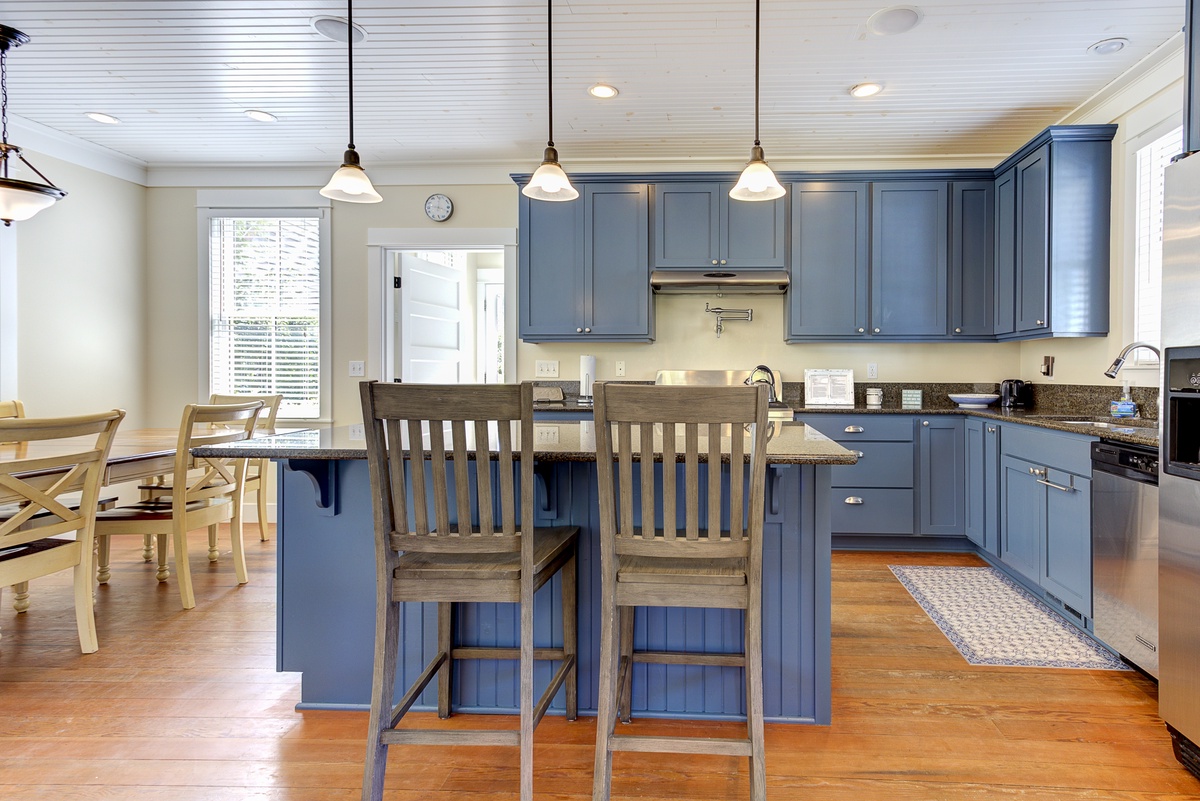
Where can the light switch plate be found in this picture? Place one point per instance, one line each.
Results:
(545, 435)
(358, 369)
(357, 431)
(545, 368)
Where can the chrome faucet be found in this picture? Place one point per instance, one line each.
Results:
(763, 375)
(1119, 362)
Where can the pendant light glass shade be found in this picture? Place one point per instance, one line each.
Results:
(757, 181)
(350, 183)
(19, 200)
(550, 181)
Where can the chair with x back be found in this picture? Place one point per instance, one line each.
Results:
(707, 552)
(454, 522)
(51, 490)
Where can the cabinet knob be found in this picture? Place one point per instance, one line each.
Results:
(925, 423)
(862, 330)
(722, 261)
(859, 454)
(714, 261)
(876, 330)
(578, 330)
(991, 429)
(853, 429)
(1041, 322)
(854, 500)
(587, 330)
(958, 330)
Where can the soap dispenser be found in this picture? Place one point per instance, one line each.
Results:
(1124, 407)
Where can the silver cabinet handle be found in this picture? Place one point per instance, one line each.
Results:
(925, 423)
(722, 261)
(587, 330)
(991, 429)
(958, 330)
(578, 330)
(853, 429)
(862, 330)
(714, 261)
(854, 500)
(1041, 322)
(1052, 485)
(876, 330)
(1037, 471)
(859, 454)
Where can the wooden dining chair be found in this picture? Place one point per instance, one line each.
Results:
(202, 492)
(255, 479)
(442, 536)
(54, 496)
(708, 552)
(11, 409)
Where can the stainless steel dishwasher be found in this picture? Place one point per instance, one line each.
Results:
(1125, 550)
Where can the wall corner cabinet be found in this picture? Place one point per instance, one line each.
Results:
(1019, 252)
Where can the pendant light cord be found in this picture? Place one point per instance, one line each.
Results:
(4, 95)
(757, 27)
(350, 64)
(550, 71)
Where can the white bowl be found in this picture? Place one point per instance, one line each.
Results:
(973, 400)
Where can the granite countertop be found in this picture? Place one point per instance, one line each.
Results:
(790, 443)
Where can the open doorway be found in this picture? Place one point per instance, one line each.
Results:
(448, 315)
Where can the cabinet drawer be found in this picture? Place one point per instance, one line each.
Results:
(1048, 448)
(880, 464)
(847, 428)
(857, 510)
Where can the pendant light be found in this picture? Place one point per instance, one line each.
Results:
(549, 181)
(350, 183)
(19, 200)
(757, 181)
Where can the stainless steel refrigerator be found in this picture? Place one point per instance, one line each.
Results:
(1179, 487)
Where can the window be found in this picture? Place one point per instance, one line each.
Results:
(267, 291)
(1152, 160)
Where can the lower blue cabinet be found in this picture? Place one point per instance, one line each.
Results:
(942, 481)
(982, 474)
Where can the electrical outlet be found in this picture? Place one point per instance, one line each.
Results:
(872, 370)
(620, 369)
(358, 369)
(545, 435)
(357, 431)
(545, 368)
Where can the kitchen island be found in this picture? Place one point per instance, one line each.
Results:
(326, 588)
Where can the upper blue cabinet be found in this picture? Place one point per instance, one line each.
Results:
(829, 296)
(1052, 235)
(909, 278)
(697, 226)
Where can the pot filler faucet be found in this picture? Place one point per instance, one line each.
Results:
(763, 375)
(1119, 362)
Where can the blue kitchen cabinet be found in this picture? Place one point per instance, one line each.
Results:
(697, 226)
(584, 269)
(1052, 235)
(1023, 510)
(909, 267)
(982, 477)
(942, 486)
(972, 279)
(830, 265)
(1067, 558)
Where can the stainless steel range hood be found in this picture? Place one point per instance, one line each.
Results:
(724, 282)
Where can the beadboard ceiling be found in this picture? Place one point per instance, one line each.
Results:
(465, 80)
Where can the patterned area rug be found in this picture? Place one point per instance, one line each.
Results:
(993, 621)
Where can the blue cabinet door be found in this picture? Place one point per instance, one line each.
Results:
(976, 482)
(551, 292)
(830, 261)
(942, 489)
(753, 234)
(971, 257)
(1033, 243)
(1067, 558)
(992, 433)
(1006, 252)
(616, 261)
(687, 222)
(1023, 517)
(908, 259)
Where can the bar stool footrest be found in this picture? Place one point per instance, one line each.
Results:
(458, 737)
(719, 746)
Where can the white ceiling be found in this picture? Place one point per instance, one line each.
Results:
(466, 79)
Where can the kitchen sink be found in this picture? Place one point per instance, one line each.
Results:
(1097, 422)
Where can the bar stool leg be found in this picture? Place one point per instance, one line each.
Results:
(626, 689)
(445, 613)
(570, 634)
(754, 698)
(606, 713)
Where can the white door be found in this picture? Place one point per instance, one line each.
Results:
(435, 345)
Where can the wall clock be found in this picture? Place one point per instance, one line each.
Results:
(439, 207)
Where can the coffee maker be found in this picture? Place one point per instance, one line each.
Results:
(1015, 394)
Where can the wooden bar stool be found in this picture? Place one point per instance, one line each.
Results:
(714, 560)
(442, 537)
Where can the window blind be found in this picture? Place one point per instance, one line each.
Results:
(264, 308)
(1152, 161)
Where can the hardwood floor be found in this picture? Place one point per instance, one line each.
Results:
(187, 706)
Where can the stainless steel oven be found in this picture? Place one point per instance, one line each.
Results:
(1125, 550)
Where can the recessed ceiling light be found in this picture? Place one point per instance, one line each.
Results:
(865, 89)
(335, 28)
(1106, 47)
(897, 19)
(603, 91)
(260, 116)
(97, 116)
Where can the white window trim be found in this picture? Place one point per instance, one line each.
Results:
(1142, 372)
(380, 300)
(321, 211)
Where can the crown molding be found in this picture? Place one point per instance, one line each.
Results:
(38, 138)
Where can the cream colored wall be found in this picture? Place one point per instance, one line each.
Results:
(1146, 103)
(81, 296)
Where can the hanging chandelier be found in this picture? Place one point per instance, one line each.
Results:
(19, 200)
(757, 181)
(550, 181)
(350, 183)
